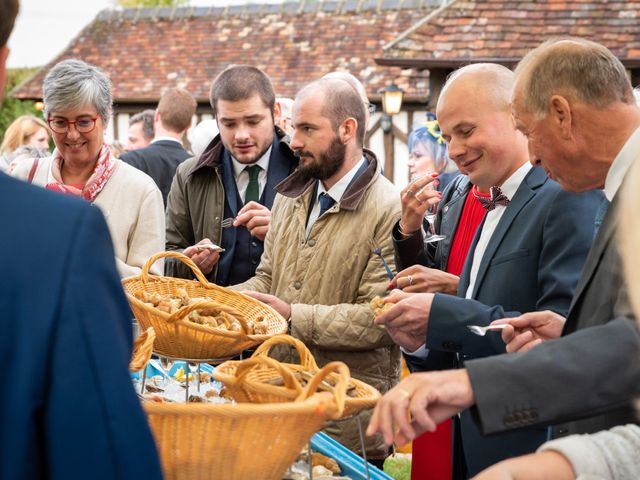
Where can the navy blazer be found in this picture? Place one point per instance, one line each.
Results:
(67, 405)
(532, 262)
(159, 160)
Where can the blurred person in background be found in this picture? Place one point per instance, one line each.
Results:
(201, 136)
(78, 103)
(141, 130)
(428, 153)
(25, 152)
(70, 410)
(160, 159)
(24, 130)
(284, 122)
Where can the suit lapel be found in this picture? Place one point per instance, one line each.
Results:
(604, 236)
(229, 183)
(526, 191)
(278, 170)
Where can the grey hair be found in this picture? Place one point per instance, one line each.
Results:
(73, 84)
(573, 67)
(147, 119)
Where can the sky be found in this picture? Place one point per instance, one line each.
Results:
(45, 27)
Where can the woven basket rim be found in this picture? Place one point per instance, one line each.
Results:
(308, 405)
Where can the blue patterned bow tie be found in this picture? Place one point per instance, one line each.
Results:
(497, 198)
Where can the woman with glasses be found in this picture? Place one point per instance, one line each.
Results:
(77, 99)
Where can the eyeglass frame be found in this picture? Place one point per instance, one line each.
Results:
(74, 122)
(371, 108)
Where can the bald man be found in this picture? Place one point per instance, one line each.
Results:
(362, 92)
(526, 255)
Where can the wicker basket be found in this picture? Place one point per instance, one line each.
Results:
(241, 441)
(180, 338)
(247, 380)
(142, 350)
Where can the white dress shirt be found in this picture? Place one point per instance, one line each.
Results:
(166, 137)
(621, 165)
(491, 220)
(336, 192)
(242, 176)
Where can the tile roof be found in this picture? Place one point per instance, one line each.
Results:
(464, 31)
(146, 50)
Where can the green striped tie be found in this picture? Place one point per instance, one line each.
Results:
(253, 189)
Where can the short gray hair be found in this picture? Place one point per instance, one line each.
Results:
(576, 68)
(72, 84)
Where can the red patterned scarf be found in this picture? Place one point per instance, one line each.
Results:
(98, 179)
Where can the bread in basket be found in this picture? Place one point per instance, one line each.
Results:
(178, 337)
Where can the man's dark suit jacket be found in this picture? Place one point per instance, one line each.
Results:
(596, 368)
(67, 405)
(159, 160)
(532, 262)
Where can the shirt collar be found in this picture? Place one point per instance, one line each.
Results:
(263, 162)
(337, 191)
(511, 185)
(621, 164)
(159, 139)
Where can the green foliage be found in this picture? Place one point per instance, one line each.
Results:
(151, 3)
(12, 108)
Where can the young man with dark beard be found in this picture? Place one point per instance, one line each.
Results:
(317, 269)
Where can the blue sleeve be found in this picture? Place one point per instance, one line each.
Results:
(566, 237)
(94, 424)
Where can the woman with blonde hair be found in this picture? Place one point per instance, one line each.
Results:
(24, 130)
(78, 106)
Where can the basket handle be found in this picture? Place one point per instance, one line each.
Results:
(245, 366)
(177, 255)
(339, 391)
(142, 349)
(306, 358)
(184, 311)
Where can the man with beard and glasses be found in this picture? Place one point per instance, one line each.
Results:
(233, 178)
(318, 269)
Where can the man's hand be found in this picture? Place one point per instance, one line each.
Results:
(530, 329)
(204, 258)
(415, 202)
(419, 403)
(406, 322)
(280, 306)
(420, 279)
(255, 218)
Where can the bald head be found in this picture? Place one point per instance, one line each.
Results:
(490, 81)
(339, 102)
(351, 80)
(574, 68)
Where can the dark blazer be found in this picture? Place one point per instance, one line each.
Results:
(67, 405)
(532, 262)
(600, 338)
(159, 160)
